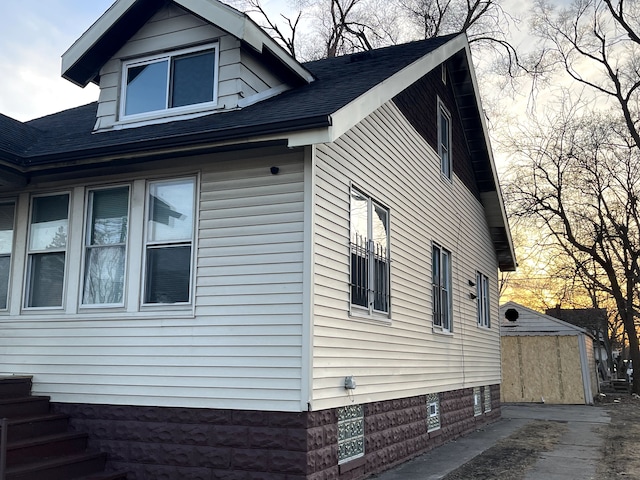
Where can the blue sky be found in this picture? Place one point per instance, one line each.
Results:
(34, 35)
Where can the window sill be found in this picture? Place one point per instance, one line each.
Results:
(440, 331)
(351, 464)
(164, 116)
(362, 314)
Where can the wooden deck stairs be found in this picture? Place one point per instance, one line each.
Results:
(39, 444)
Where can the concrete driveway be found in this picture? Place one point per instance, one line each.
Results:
(574, 457)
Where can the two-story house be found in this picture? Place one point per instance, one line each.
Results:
(234, 265)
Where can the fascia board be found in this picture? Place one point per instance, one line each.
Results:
(89, 38)
(215, 12)
(355, 111)
(243, 28)
(499, 200)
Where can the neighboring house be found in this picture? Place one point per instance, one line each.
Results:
(595, 321)
(234, 264)
(545, 359)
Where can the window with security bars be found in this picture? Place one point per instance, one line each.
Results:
(350, 433)
(482, 299)
(441, 278)
(477, 401)
(433, 412)
(370, 258)
(487, 399)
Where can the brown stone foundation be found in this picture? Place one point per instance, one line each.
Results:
(158, 443)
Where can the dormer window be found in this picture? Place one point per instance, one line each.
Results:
(183, 81)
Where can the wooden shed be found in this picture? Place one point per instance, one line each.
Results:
(545, 359)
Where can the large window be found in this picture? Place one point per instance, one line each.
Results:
(444, 140)
(47, 249)
(482, 297)
(182, 79)
(105, 246)
(170, 222)
(441, 274)
(6, 245)
(369, 253)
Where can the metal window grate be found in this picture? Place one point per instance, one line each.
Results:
(369, 274)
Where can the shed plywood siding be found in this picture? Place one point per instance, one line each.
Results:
(387, 159)
(544, 368)
(241, 349)
(173, 28)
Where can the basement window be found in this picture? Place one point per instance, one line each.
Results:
(477, 401)
(183, 81)
(350, 433)
(433, 412)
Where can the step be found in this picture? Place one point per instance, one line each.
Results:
(67, 467)
(37, 426)
(17, 407)
(15, 386)
(48, 446)
(104, 476)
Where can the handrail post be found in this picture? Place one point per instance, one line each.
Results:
(4, 423)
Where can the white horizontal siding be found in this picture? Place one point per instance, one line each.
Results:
(241, 344)
(388, 160)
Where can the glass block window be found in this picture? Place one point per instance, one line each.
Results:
(487, 399)
(350, 433)
(477, 401)
(433, 412)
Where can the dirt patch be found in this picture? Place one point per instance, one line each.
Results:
(621, 438)
(510, 458)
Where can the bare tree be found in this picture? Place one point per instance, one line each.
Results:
(579, 177)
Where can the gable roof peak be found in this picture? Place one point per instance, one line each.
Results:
(82, 62)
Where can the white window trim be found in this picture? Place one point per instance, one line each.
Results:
(444, 111)
(132, 306)
(167, 111)
(14, 203)
(87, 226)
(370, 312)
(442, 252)
(28, 253)
(143, 273)
(483, 300)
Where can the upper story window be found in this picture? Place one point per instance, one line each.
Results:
(444, 140)
(441, 274)
(7, 213)
(482, 297)
(47, 250)
(180, 81)
(369, 253)
(105, 246)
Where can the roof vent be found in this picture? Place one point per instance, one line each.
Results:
(511, 314)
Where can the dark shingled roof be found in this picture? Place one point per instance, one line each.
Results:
(67, 135)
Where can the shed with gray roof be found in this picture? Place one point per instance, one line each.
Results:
(545, 359)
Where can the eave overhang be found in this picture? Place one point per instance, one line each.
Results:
(82, 62)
